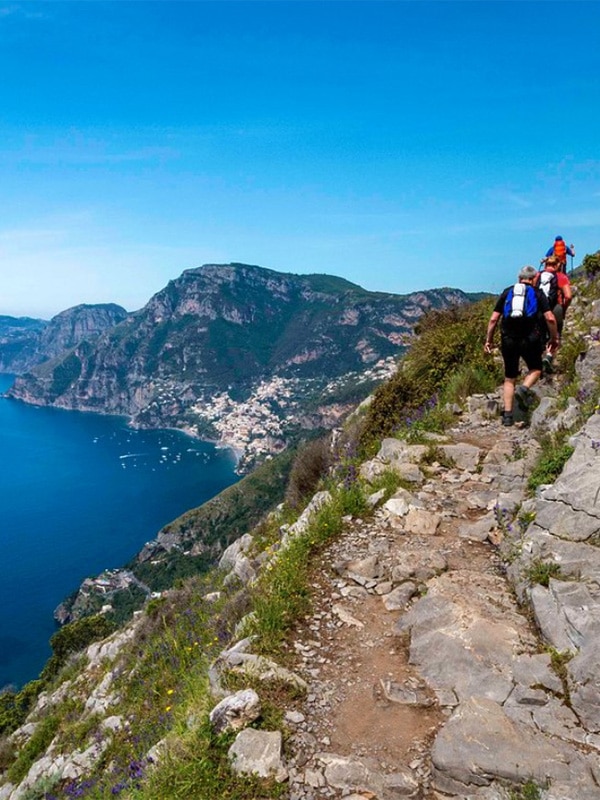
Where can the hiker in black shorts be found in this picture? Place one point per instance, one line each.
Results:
(526, 322)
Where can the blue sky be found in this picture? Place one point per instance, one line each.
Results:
(400, 145)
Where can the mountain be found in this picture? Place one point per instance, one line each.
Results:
(25, 342)
(240, 343)
(18, 339)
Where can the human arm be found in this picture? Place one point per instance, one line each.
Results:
(489, 336)
(564, 284)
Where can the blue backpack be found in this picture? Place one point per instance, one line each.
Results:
(521, 302)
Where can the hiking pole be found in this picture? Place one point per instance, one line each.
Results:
(572, 257)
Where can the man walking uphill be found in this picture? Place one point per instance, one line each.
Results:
(526, 322)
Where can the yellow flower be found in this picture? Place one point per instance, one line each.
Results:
(168, 708)
(170, 691)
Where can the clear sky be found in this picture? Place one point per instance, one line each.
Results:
(400, 145)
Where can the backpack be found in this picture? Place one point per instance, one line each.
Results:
(560, 250)
(521, 302)
(548, 283)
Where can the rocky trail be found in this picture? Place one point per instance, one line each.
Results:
(434, 668)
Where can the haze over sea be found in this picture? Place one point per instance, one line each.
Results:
(80, 493)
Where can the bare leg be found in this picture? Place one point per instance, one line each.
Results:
(532, 378)
(509, 394)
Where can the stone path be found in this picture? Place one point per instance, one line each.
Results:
(426, 677)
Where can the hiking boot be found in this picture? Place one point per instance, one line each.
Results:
(507, 419)
(547, 367)
(524, 398)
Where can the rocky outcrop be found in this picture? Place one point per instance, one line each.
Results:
(28, 343)
(18, 340)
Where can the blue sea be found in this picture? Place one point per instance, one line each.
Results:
(80, 493)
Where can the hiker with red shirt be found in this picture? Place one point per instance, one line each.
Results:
(561, 250)
(557, 287)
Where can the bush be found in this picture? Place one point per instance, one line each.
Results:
(14, 706)
(467, 380)
(591, 264)
(73, 638)
(309, 467)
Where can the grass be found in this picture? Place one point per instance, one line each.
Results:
(554, 454)
(198, 767)
(282, 593)
(530, 790)
(35, 746)
(540, 571)
(558, 661)
(390, 482)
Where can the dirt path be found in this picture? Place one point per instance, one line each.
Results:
(367, 703)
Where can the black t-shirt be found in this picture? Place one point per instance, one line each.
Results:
(524, 327)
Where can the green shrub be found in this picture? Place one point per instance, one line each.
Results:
(309, 467)
(469, 379)
(554, 455)
(591, 264)
(391, 404)
(73, 638)
(540, 571)
(14, 706)
(530, 790)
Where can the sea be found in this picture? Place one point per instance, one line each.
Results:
(80, 493)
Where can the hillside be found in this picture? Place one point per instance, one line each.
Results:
(25, 343)
(423, 625)
(239, 354)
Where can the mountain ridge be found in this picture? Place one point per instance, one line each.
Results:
(227, 332)
(26, 343)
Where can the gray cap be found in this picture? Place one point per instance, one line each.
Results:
(527, 273)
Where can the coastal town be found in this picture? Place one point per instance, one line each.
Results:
(262, 425)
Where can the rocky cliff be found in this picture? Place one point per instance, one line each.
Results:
(25, 343)
(228, 334)
(18, 339)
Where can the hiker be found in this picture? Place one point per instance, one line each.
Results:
(525, 314)
(557, 288)
(560, 250)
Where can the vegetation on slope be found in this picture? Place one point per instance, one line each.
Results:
(162, 678)
(445, 364)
